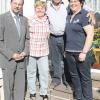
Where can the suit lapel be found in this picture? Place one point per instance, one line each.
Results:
(22, 27)
(12, 24)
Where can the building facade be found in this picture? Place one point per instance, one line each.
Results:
(94, 4)
(4, 5)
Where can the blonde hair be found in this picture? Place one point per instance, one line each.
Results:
(40, 3)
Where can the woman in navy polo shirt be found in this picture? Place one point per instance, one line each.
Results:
(79, 37)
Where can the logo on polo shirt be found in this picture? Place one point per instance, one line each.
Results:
(76, 21)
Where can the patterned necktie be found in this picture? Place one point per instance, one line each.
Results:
(18, 24)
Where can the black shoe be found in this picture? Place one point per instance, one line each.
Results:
(33, 96)
(45, 97)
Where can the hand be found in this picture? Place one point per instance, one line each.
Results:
(22, 54)
(82, 57)
(16, 56)
(92, 18)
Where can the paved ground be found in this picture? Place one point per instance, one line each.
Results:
(63, 93)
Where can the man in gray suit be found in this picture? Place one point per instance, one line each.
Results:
(14, 42)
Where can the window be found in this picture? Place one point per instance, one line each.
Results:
(94, 4)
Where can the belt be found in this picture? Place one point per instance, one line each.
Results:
(56, 35)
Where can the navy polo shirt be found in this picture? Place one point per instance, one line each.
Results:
(75, 34)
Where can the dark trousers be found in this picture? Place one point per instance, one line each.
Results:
(80, 75)
(56, 55)
(67, 74)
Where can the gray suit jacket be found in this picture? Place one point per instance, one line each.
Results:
(10, 42)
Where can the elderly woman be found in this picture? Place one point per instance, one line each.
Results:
(39, 50)
(79, 37)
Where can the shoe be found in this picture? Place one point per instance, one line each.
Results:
(44, 97)
(33, 96)
(54, 84)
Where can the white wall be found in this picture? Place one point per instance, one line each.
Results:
(28, 9)
(29, 6)
(4, 6)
